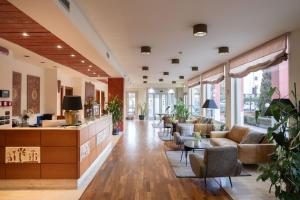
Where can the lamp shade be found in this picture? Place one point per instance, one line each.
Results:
(210, 103)
(285, 104)
(72, 103)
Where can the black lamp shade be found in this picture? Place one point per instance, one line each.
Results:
(210, 103)
(284, 102)
(72, 103)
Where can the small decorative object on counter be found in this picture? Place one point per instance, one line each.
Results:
(89, 113)
(71, 105)
(25, 117)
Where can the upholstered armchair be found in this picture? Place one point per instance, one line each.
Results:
(216, 162)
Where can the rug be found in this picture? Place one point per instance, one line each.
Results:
(164, 136)
(182, 170)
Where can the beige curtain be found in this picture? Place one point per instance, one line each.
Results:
(214, 75)
(194, 81)
(262, 57)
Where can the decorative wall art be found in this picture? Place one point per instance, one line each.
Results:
(16, 93)
(33, 93)
(84, 150)
(22, 155)
(89, 91)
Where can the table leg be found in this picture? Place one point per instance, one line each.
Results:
(181, 155)
(186, 155)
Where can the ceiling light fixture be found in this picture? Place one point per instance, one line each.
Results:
(90, 66)
(145, 68)
(200, 30)
(25, 34)
(175, 60)
(166, 73)
(145, 50)
(160, 80)
(94, 72)
(173, 82)
(181, 77)
(26, 56)
(82, 61)
(42, 62)
(145, 81)
(194, 68)
(72, 55)
(145, 77)
(89, 70)
(59, 46)
(223, 50)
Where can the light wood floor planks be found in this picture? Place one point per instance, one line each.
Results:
(138, 169)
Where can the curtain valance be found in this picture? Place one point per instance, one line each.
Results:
(214, 75)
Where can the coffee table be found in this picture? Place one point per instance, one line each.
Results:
(192, 145)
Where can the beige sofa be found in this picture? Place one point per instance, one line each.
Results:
(248, 152)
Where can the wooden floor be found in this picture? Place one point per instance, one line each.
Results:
(138, 169)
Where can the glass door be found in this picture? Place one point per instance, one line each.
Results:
(158, 103)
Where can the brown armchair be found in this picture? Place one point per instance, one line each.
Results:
(217, 162)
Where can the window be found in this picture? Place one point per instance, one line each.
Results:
(217, 93)
(252, 95)
(131, 103)
(195, 100)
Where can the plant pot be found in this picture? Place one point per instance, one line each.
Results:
(116, 131)
(141, 117)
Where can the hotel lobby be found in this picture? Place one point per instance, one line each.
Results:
(108, 99)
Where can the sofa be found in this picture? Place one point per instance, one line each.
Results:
(252, 146)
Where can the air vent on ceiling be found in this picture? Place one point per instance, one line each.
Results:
(4, 51)
(65, 4)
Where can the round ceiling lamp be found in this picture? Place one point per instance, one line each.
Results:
(145, 77)
(194, 68)
(181, 77)
(173, 82)
(145, 50)
(166, 73)
(145, 68)
(223, 50)
(175, 60)
(161, 80)
(200, 30)
(145, 82)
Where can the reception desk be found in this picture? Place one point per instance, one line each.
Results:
(55, 157)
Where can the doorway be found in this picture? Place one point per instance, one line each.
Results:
(98, 96)
(160, 103)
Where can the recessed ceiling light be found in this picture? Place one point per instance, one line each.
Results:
(145, 50)
(175, 60)
(160, 80)
(181, 77)
(59, 46)
(194, 68)
(43, 62)
(145, 81)
(25, 34)
(166, 73)
(72, 55)
(82, 61)
(223, 50)
(90, 66)
(145, 68)
(145, 77)
(200, 30)
(173, 82)
(89, 70)
(26, 56)
(94, 72)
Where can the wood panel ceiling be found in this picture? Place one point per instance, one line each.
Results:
(13, 23)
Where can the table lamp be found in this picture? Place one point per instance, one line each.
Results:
(210, 104)
(71, 105)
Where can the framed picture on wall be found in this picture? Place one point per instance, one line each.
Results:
(33, 93)
(16, 93)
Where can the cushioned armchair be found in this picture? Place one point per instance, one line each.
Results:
(252, 149)
(217, 162)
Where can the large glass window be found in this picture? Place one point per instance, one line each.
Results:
(195, 100)
(217, 93)
(131, 103)
(252, 94)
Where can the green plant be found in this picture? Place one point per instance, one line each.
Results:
(181, 112)
(143, 109)
(284, 170)
(115, 108)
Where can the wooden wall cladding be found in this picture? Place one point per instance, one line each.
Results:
(66, 138)
(23, 138)
(13, 22)
(16, 93)
(33, 93)
(22, 171)
(2, 154)
(59, 155)
(59, 171)
(2, 171)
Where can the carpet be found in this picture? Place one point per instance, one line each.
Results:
(182, 170)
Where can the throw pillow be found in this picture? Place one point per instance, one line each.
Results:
(253, 138)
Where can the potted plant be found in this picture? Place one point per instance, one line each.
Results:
(114, 107)
(143, 111)
(284, 170)
(181, 112)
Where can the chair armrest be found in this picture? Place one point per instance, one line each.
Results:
(197, 164)
(218, 134)
(255, 153)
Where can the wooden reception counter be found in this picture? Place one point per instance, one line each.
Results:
(53, 157)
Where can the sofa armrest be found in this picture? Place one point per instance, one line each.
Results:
(218, 134)
(255, 153)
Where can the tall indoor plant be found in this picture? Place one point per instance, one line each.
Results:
(284, 170)
(143, 111)
(181, 111)
(114, 107)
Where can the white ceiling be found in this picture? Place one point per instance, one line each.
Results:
(166, 26)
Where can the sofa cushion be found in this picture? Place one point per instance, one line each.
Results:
(238, 133)
(186, 129)
(222, 142)
(253, 138)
